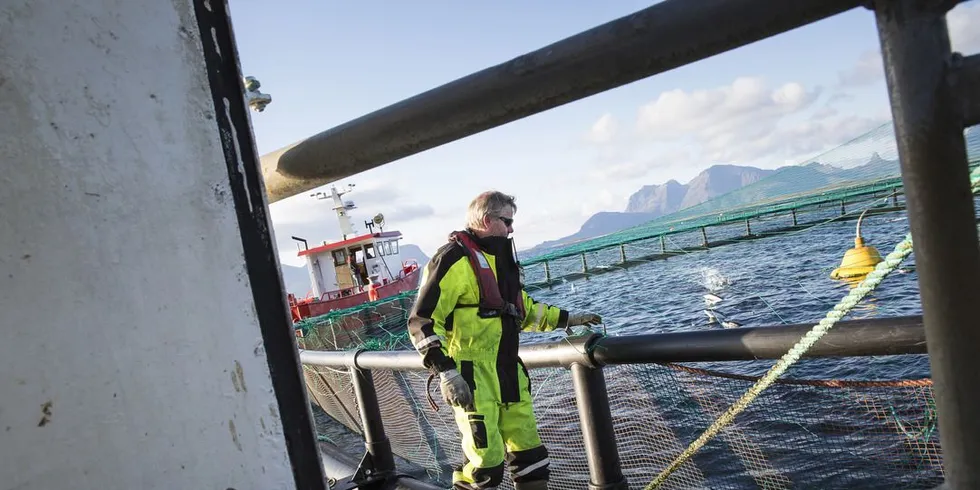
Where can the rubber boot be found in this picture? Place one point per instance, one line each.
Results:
(531, 485)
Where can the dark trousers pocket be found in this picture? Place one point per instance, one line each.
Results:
(479, 430)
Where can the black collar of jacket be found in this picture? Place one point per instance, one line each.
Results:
(499, 246)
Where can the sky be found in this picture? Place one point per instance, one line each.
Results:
(771, 103)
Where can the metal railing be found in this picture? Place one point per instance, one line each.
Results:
(586, 355)
(933, 93)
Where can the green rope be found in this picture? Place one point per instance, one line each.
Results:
(891, 262)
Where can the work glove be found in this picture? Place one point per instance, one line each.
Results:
(455, 389)
(575, 319)
(583, 319)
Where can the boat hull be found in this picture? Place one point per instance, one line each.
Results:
(317, 308)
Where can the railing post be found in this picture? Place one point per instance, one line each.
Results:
(547, 272)
(843, 210)
(595, 419)
(748, 229)
(794, 216)
(663, 245)
(585, 266)
(704, 237)
(622, 253)
(929, 129)
(375, 441)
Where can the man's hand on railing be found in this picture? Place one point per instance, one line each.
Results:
(455, 389)
(576, 319)
(589, 319)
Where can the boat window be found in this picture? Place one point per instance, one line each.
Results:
(394, 246)
(369, 250)
(387, 248)
(339, 257)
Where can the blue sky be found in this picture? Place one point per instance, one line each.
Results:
(771, 103)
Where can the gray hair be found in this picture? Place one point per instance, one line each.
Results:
(490, 203)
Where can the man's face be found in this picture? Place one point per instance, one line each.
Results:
(500, 225)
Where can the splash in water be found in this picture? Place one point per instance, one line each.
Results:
(712, 279)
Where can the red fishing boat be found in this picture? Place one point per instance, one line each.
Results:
(358, 269)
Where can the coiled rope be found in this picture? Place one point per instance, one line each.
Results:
(888, 265)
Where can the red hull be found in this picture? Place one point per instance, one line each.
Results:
(317, 308)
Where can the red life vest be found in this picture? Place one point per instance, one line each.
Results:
(490, 298)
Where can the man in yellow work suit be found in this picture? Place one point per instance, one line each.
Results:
(470, 309)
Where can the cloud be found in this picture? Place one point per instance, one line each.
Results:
(962, 21)
(738, 123)
(316, 221)
(410, 212)
(603, 130)
(627, 166)
(722, 114)
(964, 37)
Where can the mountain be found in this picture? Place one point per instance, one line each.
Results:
(599, 224)
(409, 251)
(712, 190)
(297, 279)
(657, 199)
(654, 201)
(719, 180)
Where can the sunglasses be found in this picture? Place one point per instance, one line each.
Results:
(507, 221)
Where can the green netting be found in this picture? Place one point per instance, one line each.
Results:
(377, 325)
(862, 169)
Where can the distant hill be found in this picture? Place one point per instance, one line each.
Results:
(657, 199)
(599, 224)
(654, 201)
(297, 279)
(409, 251)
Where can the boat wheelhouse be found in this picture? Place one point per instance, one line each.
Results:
(358, 269)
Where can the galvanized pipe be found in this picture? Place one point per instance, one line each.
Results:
(876, 337)
(662, 37)
(595, 418)
(375, 439)
(871, 337)
(928, 125)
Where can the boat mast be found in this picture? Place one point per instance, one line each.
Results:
(341, 207)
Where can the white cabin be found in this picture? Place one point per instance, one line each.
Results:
(346, 267)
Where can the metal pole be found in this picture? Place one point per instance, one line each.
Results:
(843, 210)
(622, 253)
(375, 440)
(657, 39)
(748, 229)
(932, 151)
(585, 267)
(595, 418)
(663, 245)
(547, 272)
(704, 237)
(794, 216)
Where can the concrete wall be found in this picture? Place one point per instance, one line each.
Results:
(131, 355)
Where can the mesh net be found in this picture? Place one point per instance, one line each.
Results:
(799, 433)
(838, 184)
(823, 433)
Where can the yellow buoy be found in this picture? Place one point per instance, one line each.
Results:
(858, 261)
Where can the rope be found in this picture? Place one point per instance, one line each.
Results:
(891, 262)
